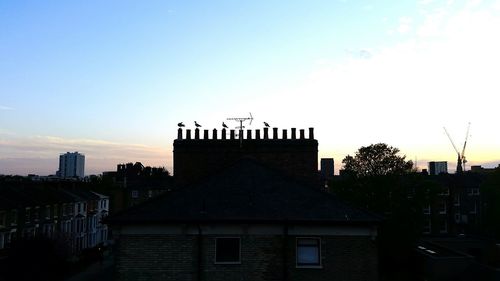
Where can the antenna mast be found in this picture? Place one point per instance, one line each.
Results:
(241, 127)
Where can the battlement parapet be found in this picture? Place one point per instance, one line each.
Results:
(240, 134)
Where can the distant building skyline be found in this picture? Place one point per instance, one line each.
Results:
(327, 168)
(359, 72)
(71, 165)
(438, 167)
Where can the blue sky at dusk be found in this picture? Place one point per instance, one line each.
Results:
(111, 79)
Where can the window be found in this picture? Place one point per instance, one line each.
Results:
(473, 191)
(135, 193)
(3, 219)
(47, 212)
(308, 252)
(13, 217)
(474, 210)
(427, 226)
(227, 250)
(442, 207)
(36, 214)
(445, 191)
(427, 209)
(443, 227)
(27, 214)
(456, 200)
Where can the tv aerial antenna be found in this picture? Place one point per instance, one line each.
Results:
(241, 120)
(241, 127)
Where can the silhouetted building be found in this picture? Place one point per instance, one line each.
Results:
(480, 170)
(197, 156)
(246, 209)
(327, 170)
(438, 167)
(57, 211)
(71, 165)
(134, 183)
(457, 208)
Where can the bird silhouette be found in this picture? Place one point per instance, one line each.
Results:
(196, 124)
(224, 125)
(266, 124)
(181, 124)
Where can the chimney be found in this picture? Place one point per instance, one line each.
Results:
(266, 133)
(214, 134)
(257, 134)
(285, 134)
(223, 133)
(275, 133)
(294, 133)
(302, 134)
(197, 133)
(179, 134)
(205, 134)
(188, 134)
(231, 133)
(311, 133)
(249, 134)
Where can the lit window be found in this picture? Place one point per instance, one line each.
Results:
(308, 252)
(227, 250)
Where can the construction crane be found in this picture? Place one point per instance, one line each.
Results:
(461, 160)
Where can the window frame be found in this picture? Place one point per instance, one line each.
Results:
(239, 250)
(301, 265)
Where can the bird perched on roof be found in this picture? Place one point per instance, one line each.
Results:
(224, 125)
(196, 124)
(266, 124)
(180, 124)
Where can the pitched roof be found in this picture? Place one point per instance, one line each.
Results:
(245, 192)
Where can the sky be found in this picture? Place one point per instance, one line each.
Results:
(111, 79)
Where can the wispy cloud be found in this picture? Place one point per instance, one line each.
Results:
(409, 89)
(100, 155)
(404, 25)
(3, 107)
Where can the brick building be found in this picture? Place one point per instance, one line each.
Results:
(251, 214)
(58, 211)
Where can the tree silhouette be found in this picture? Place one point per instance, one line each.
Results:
(376, 160)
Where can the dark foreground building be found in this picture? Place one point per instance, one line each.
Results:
(248, 220)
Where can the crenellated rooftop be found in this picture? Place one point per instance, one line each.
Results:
(232, 134)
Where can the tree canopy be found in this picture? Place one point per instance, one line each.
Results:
(377, 160)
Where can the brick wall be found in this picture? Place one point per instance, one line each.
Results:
(154, 257)
(175, 257)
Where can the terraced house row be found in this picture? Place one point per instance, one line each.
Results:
(60, 211)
